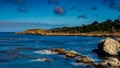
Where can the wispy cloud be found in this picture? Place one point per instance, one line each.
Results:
(21, 26)
(28, 24)
(82, 16)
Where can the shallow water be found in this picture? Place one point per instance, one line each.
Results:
(22, 51)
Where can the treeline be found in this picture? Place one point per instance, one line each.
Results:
(106, 26)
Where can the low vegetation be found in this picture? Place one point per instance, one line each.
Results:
(107, 26)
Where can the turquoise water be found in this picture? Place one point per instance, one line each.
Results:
(21, 51)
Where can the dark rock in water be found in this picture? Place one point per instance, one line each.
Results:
(96, 50)
(85, 59)
(44, 59)
(109, 62)
(99, 53)
(53, 50)
(118, 39)
(59, 10)
(47, 60)
(108, 47)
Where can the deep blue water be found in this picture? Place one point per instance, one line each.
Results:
(18, 51)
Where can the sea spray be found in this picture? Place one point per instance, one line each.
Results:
(48, 52)
(77, 64)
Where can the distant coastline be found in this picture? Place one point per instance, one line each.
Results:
(39, 32)
(108, 28)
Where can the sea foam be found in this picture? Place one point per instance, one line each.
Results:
(77, 64)
(48, 52)
(40, 59)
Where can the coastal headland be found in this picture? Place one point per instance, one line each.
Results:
(108, 28)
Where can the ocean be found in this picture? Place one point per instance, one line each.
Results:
(23, 51)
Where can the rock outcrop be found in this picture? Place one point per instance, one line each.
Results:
(109, 62)
(72, 54)
(35, 32)
(108, 47)
(85, 59)
(61, 51)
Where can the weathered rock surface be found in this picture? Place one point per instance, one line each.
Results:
(108, 47)
(109, 62)
(71, 54)
(61, 51)
(85, 59)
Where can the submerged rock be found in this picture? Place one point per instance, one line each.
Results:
(47, 60)
(108, 47)
(44, 59)
(85, 59)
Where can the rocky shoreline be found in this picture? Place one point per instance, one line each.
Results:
(50, 33)
(108, 49)
(71, 54)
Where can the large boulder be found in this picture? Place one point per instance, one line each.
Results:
(109, 62)
(108, 47)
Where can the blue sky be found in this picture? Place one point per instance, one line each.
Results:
(41, 14)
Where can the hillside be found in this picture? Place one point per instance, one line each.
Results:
(108, 26)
